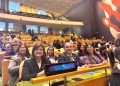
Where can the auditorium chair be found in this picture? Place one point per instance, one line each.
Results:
(5, 63)
(57, 52)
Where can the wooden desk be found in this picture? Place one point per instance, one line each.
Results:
(88, 79)
(47, 78)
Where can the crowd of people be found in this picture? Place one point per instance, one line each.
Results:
(53, 17)
(86, 55)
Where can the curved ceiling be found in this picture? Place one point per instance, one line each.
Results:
(59, 7)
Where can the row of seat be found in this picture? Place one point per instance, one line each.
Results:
(50, 38)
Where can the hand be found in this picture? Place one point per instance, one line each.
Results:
(83, 66)
(40, 73)
(17, 58)
(104, 62)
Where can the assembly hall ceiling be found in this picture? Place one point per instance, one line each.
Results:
(59, 7)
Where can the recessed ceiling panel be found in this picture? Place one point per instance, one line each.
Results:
(53, 6)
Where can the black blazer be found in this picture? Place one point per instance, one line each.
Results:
(30, 69)
(115, 77)
(64, 58)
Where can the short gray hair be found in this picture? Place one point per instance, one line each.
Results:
(117, 53)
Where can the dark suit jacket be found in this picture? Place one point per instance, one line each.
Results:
(64, 58)
(30, 69)
(115, 77)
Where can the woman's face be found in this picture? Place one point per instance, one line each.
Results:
(90, 49)
(22, 49)
(15, 46)
(82, 48)
(50, 51)
(38, 52)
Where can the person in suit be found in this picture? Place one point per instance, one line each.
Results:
(68, 56)
(34, 67)
(13, 68)
(115, 76)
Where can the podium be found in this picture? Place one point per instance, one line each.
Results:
(95, 76)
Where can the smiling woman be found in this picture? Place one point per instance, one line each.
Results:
(13, 68)
(34, 67)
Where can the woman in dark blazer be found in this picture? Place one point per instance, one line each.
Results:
(34, 67)
(13, 68)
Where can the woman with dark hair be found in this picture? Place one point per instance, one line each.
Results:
(34, 67)
(104, 52)
(94, 58)
(81, 50)
(115, 76)
(82, 55)
(51, 58)
(13, 68)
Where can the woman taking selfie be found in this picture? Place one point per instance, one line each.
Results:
(13, 68)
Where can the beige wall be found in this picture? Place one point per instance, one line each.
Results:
(57, 31)
(17, 27)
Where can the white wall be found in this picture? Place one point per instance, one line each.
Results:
(43, 29)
